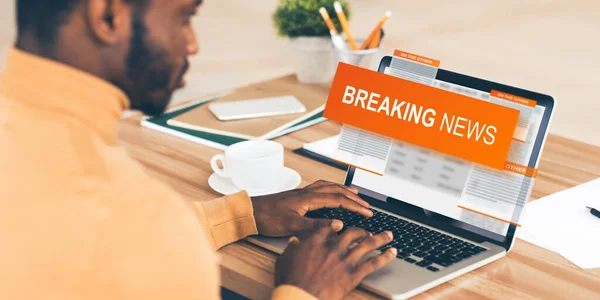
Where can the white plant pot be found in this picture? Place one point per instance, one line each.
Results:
(314, 59)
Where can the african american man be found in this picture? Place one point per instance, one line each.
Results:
(80, 219)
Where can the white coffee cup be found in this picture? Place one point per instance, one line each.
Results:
(254, 166)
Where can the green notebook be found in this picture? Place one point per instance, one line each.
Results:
(159, 123)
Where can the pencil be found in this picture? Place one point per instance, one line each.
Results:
(375, 40)
(336, 39)
(344, 23)
(327, 19)
(375, 31)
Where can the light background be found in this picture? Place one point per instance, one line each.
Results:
(547, 46)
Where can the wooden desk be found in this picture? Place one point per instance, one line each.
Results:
(528, 271)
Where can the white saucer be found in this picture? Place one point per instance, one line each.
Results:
(290, 180)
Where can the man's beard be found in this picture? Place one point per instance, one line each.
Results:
(149, 72)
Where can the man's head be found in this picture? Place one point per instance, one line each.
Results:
(139, 45)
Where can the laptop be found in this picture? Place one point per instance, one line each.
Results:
(418, 196)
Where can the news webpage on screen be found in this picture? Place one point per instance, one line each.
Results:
(488, 198)
(485, 196)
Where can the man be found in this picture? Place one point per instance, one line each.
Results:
(79, 219)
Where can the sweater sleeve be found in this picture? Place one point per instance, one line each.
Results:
(231, 218)
(227, 219)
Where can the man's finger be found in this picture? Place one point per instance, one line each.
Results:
(352, 235)
(339, 189)
(318, 184)
(313, 225)
(370, 244)
(375, 263)
(323, 200)
(293, 242)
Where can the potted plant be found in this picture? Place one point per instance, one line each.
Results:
(301, 22)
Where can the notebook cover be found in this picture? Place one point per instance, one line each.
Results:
(161, 122)
(202, 119)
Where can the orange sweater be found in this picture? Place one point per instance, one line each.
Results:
(79, 219)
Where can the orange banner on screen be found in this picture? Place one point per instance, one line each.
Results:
(443, 121)
(520, 169)
(513, 98)
(417, 58)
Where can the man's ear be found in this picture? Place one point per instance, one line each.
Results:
(109, 21)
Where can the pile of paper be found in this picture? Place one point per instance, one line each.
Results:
(562, 223)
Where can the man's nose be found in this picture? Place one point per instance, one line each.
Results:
(193, 47)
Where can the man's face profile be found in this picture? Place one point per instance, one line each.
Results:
(161, 39)
(140, 46)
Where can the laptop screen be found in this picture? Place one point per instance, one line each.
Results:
(450, 186)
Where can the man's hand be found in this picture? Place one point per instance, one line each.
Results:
(283, 214)
(325, 266)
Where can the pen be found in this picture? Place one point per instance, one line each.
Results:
(344, 23)
(337, 40)
(376, 31)
(594, 211)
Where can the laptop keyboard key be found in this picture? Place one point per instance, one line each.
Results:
(446, 257)
(410, 260)
(434, 252)
(403, 240)
(420, 254)
(409, 249)
(443, 248)
(444, 263)
(414, 244)
(444, 241)
(424, 263)
(439, 247)
(409, 236)
(424, 248)
(452, 251)
(430, 243)
(432, 269)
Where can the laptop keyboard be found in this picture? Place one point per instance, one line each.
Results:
(416, 244)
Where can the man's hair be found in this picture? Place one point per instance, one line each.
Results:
(42, 18)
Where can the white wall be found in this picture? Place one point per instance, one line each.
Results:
(545, 46)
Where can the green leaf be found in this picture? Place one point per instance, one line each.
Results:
(294, 18)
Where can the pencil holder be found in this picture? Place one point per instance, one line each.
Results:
(368, 59)
(314, 59)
